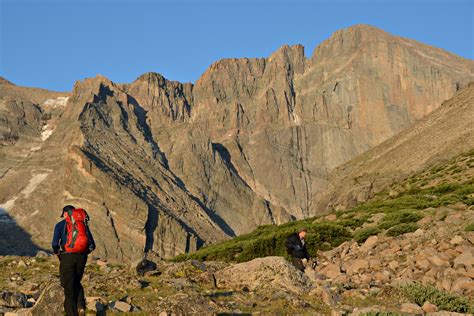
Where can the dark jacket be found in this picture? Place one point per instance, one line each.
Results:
(295, 247)
(60, 238)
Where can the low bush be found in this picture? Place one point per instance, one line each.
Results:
(419, 294)
(470, 227)
(365, 233)
(401, 229)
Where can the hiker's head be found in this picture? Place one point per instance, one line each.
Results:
(67, 208)
(302, 232)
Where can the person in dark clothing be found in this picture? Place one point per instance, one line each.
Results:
(72, 242)
(296, 248)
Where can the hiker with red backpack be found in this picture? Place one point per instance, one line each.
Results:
(72, 242)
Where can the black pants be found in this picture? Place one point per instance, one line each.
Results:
(298, 263)
(71, 270)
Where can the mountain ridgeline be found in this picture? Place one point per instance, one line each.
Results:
(169, 167)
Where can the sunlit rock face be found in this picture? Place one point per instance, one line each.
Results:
(166, 166)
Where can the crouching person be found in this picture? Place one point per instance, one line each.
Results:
(296, 248)
(72, 242)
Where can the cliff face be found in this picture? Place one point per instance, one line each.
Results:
(166, 166)
(435, 139)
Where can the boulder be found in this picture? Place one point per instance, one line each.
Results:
(425, 221)
(328, 296)
(456, 240)
(462, 284)
(429, 308)
(465, 259)
(94, 304)
(438, 260)
(13, 299)
(144, 266)
(382, 277)
(42, 254)
(330, 217)
(50, 301)
(332, 270)
(411, 308)
(419, 232)
(121, 306)
(267, 272)
(369, 243)
(358, 265)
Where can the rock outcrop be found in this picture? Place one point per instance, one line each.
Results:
(261, 273)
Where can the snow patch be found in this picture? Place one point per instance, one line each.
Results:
(47, 131)
(8, 204)
(26, 192)
(34, 182)
(58, 102)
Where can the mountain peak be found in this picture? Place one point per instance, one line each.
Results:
(147, 76)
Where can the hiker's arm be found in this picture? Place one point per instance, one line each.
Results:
(56, 243)
(91, 239)
(305, 252)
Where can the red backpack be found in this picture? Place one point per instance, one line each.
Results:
(76, 231)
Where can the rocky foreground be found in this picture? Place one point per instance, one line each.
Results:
(426, 271)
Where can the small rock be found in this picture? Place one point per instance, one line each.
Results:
(425, 221)
(42, 254)
(429, 308)
(457, 240)
(145, 266)
(22, 264)
(121, 306)
(105, 269)
(393, 193)
(393, 265)
(411, 309)
(199, 265)
(330, 217)
(419, 232)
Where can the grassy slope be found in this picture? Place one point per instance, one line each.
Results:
(403, 204)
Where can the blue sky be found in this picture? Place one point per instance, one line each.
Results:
(52, 43)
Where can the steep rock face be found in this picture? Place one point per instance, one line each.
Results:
(166, 166)
(287, 121)
(438, 137)
(167, 101)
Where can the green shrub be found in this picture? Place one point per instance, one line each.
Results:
(445, 188)
(401, 229)
(365, 233)
(270, 240)
(404, 216)
(419, 294)
(469, 227)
